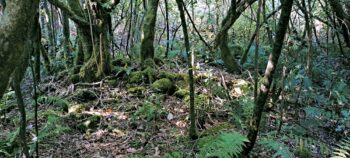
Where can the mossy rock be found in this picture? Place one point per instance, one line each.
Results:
(74, 78)
(164, 85)
(147, 74)
(182, 93)
(136, 77)
(76, 109)
(54, 101)
(90, 122)
(85, 95)
(136, 90)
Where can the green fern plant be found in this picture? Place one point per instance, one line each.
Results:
(52, 127)
(224, 145)
(55, 101)
(342, 150)
(281, 150)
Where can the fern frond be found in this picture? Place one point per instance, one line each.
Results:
(55, 101)
(280, 148)
(343, 149)
(225, 145)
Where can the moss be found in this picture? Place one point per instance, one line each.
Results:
(120, 62)
(150, 73)
(139, 76)
(182, 93)
(164, 85)
(136, 90)
(85, 95)
(112, 83)
(148, 63)
(201, 100)
(75, 78)
(136, 77)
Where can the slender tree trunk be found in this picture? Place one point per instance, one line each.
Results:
(257, 41)
(308, 28)
(23, 124)
(267, 80)
(192, 132)
(66, 41)
(167, 27)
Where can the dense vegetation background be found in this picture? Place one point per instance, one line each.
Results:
(174, 78)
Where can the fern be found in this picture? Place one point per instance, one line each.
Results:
(225, 145)
(55, 101)
(343, 149)
(52, 127)
(280, 148)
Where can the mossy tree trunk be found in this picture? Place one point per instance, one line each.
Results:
(148, 31)
(66, 41)
(93, 24)
(343, 20)
(268, 77)
(221, 39)
(192, 132)
(17, 32)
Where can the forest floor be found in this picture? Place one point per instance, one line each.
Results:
(117, 118)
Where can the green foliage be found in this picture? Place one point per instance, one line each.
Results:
(224, 145)
(173, 155)
(342, 150)
(54, 101)
(242, 111)
(164, 85)
(281, 150)
(147, 111)
(53, 127)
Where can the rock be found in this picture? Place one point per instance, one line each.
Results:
(182, 93)
(164, 85)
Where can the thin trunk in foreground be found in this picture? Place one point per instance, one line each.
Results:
(269, 72)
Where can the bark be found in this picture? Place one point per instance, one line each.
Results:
(343, 21)
(17, 32)
(192, 132)
(221, 39)
(93, 25)
(147, 48)
(268, 77)
(66, 41)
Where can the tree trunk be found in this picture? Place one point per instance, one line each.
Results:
(221, 39)
(93, 25)
(267, 80)
(343, 21)
(66, 41)
(147, 48)
(192, 132)
(17, 32)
